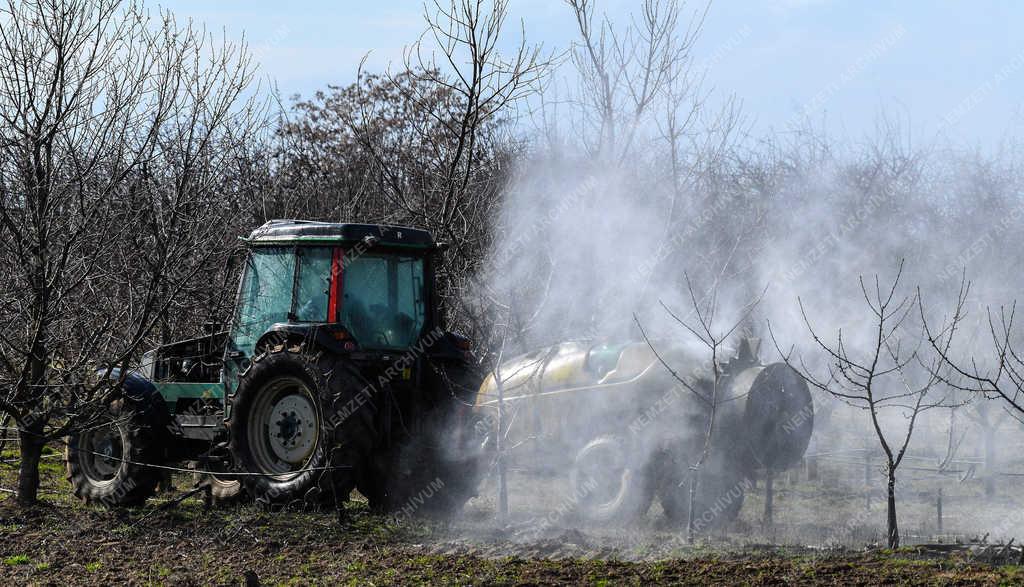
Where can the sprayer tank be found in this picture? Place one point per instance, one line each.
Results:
(560, 396)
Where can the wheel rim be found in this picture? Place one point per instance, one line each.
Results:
(601, 476)
(221, 482)
(285, 428)
(101, 453)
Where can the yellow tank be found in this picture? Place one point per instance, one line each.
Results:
(570, 366)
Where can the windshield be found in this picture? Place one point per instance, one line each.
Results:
(381, 295)
(383, 303)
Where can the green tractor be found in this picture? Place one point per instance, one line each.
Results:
(336, 373)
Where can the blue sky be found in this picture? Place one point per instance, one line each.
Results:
(951, 67)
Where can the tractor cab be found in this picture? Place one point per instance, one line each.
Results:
(364, 286)
(368, 280)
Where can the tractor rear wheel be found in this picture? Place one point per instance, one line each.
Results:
(106, 462)
(415, 479)
(717, 498)
(436, 469)
(300, 425)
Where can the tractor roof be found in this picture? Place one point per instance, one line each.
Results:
(307, 231)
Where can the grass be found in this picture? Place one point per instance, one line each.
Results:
(18, 559)
(906, 562)
(356, 567)
(1013, 573)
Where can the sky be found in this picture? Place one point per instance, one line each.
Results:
(953, 69)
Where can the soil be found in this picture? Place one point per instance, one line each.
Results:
(60, 544)
(183, 542)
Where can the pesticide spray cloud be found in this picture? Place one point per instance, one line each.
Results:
(583, 247)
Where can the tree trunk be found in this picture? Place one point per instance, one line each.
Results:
(32, 444)
(990, 461)
(690, 499)
(500, 448)
(32, 426)
(867, 481)
(893, 527)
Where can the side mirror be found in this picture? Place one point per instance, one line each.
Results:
(441, 247)
(236, 256)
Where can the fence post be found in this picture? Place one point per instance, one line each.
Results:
(769, 499)
(812, 466)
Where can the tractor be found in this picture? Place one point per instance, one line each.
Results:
(335, 373)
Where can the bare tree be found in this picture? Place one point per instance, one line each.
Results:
(881, 373)
(461, 90)
(701, 322)
(1002, 376)
(111, 128)
(624, 74)
(641, 105)
(464, 58)
(998, 375)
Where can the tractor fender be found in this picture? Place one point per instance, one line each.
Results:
(315, 335)
(144, 398)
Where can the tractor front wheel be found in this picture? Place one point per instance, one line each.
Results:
(106, 461)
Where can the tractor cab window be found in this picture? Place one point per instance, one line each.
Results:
(266, 295)
(383, 302)
(312, 291)
(268, 287)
